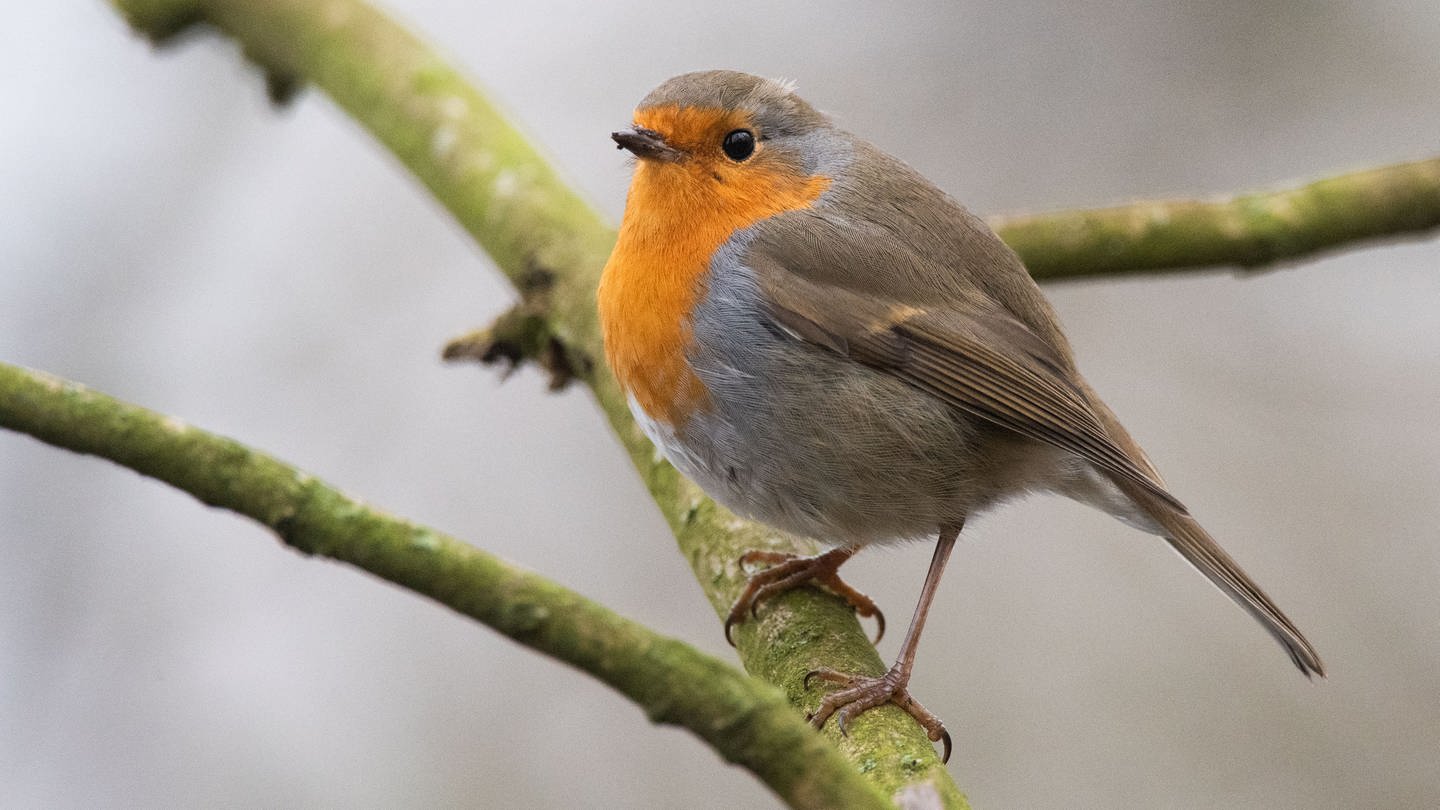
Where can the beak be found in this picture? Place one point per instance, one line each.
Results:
(647, 144)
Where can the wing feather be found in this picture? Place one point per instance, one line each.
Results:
(980, 361)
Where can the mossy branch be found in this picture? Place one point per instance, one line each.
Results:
(748, 722)
(1251, 231)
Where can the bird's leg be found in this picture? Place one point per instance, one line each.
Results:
(788, 571)
(859, 693)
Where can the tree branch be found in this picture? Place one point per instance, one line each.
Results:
(748, 722)
(1248, 230)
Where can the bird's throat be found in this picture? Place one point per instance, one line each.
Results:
(676, 217)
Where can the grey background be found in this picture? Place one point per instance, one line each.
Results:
(167, 238)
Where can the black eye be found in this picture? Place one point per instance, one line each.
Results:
(739, 144)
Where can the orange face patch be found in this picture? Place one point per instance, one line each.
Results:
(676, 216)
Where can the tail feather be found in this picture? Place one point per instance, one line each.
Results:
(1193, 543)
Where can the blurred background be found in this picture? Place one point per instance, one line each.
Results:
(167, 237)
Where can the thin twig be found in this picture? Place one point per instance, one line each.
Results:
(1252, 231)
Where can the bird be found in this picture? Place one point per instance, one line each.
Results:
(828, 343)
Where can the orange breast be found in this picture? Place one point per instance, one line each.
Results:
(676, 216)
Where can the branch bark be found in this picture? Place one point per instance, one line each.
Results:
(1250, 230)
(748, 722)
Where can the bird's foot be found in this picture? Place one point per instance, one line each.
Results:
(859, 694)
(788, 571)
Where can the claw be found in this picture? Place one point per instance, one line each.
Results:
(828, 674)
(858, 694)
(787, 572)
(880, 620)
(757, 555)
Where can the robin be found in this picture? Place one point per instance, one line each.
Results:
(826, 342)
